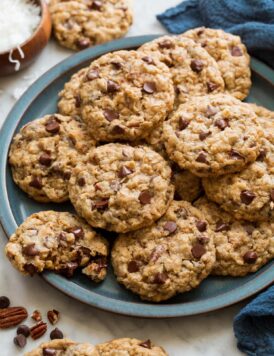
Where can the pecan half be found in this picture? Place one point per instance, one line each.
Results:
(12, 316)
(38, 330)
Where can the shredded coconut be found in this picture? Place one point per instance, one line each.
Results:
(18, 20)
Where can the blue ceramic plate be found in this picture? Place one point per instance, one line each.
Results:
(41, 99)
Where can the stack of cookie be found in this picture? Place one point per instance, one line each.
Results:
(140, 135)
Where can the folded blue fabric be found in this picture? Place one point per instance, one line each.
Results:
(253, 20)
(254, 326)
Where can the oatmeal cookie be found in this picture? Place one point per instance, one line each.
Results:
(78, 24)
(69, 98)
(63, 347)
(193, 70)
(121, 188)
(129, 347)
(124, 97)
(231, 56)
(249, 194)
(213, 135)
(60, 242)
(187, 186)
(241, 247)
(43, 154)
(172, 256)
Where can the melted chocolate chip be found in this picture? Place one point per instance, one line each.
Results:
(166, 44)
(170, 226)
(149, 87)
(236, 51)
(112, 87)
(203, 239)
(197, 65)
(77, 231)
(160, 278)
(69, 269)
(211, 86)
(222, 226)
(36, 182)
(202, 158)
(133, 266)
(198, 251)
(30, 268)
(49, 352)
(236, 155)
(96, 5)
(250, 257)
(78, 101)
(262, 155)
(111, 115)
(118, 130)
(52, 125)
(83, 43)
(247, 197)
(148, 60)
(183, 123)
(124, 171)
(93, 74)
(45, 159)
(81, 181)
(204, 134)
(101, 204)
(30, 250)
(221, 124)
(145, 197)
(117, 65)
(146, 344)
(201, 225)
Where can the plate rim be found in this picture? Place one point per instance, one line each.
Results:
(263, 279)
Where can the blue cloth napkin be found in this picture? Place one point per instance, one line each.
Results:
(254, 326)
(253, 20)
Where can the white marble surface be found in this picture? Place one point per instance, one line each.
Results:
(208, 335)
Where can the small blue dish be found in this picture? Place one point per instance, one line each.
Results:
(40, 99)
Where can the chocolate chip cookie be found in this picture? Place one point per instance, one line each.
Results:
(193, 70)
(123, 96)
(60, 242)
(43, 154)
(69, 98)
(121, 188)
(249, 194)
(79, 24)
(63, 347)
(129, 347)
(172, 256)
(241, 247)
(213, 135)
(231, 56)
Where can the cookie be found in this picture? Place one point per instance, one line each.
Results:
(63, 347)
(43, 154)
(121, 188)
(249, 194)
(172, 256)
(79, 24)
(123, 96)
(241, 247)
(187, 186)
(212, 135)
(69, 99)
(193, 70)
(231, 56)
(60, 242)
(129, 347)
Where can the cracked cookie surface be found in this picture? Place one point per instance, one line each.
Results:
(60, 242)
(212, 135)
(123, 97)
(172, 256)
(121, 188)
(79, 24)
(43, 154)
(241, 247)
(231, 56)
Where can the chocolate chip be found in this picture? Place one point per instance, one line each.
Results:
(170, 226)
(93, 74)
(69, 269)
(272, 194)
(4, 302)
(111, 115)
(183, 123)
(145, 197)
(149, 87)
(146, 344)
(160, 278)
(56, 334)
(221, 124)
(20, 340)
(78, 101)
(83, 43)
(211, 86)
(30, 250)
(133, 266)
(49, 352)
(30, 268)
(66, 175)
(96, 5)
(166, 44)
(124, 171)
(203, 240)
(262, 155)
(117, 65)
(236, 155)
(250, 257)
(101, 204)
(52, 126)
(203, 135)
(45, 159)
(197, 65)
(222, 226)
(202, 158)
(157, 252)
(211, 111)
(24, 330)
(198, 251)
(201, 225)
(36, 182)
(236, 51)
(247, 197)
(77, 231)
(117, 130)
(81, 181)
(112, 87)
(148, 60)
